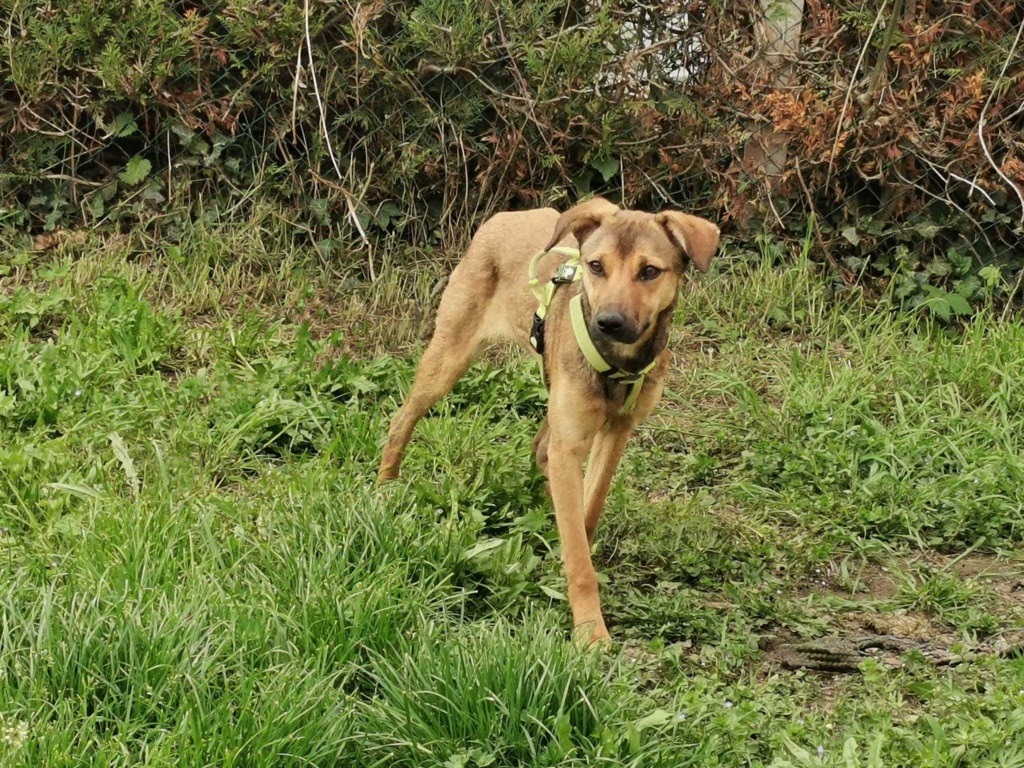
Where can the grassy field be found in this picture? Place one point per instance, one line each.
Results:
(197, 569)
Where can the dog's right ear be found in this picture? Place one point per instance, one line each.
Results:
(581, 220)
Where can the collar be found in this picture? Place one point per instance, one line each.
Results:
(571, 272)
(593, 356)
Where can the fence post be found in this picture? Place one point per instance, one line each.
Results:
(777, 37)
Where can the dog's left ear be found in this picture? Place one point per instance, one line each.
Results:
(697, 238)
(581, 220)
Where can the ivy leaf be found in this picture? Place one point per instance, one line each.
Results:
(607, 167)
(136, 171)
(850, 233)
(386, 213)
(961, 263)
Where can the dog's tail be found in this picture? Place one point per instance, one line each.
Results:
(426, 317)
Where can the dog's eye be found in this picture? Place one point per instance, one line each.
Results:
(649, 272)
(595, 267)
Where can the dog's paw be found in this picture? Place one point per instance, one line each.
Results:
(592, 634)
(600, 643)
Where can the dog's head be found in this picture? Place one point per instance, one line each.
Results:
(633, 262)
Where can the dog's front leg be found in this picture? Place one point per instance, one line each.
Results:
(609, 444)
(570, 441)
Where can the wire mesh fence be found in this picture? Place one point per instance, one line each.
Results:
(887, 135)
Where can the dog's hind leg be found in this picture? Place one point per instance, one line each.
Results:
(540, 448)
(458, 337)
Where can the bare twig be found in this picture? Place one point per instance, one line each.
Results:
(995, 166)
(883, 54)
(295, 86)
(771, 203)
(814, 218)
(74, 180)
(981, 130)
(349, 200)
(950, 202)
(170, 191)
(1009, 298)
(849, 92)
(974, 187)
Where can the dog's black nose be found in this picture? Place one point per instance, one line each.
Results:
(610, 324)
(614, 326)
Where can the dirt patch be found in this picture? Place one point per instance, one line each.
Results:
(990, 567)
(912, 625)
(869, 583)
(878, 583)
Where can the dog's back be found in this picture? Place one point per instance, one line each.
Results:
(497, 263)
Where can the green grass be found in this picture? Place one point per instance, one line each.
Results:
(198, 570)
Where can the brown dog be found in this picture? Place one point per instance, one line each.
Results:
(633, 265)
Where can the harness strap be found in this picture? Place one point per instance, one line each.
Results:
(598, 363)
(570, 272)
(545, 293)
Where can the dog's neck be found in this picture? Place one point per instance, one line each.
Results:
(636, 356)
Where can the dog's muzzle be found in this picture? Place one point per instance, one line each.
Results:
(614, 326)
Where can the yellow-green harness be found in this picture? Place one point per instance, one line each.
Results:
(571, 272)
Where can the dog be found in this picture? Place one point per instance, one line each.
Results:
(633, 265)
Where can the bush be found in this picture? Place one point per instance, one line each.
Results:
(442, 111)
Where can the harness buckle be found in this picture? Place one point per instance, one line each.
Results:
(537, 334)
(624, 377)
(565, 274)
